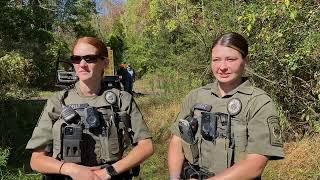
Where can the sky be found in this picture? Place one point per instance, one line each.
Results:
(102, 9)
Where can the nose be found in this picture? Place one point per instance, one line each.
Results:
(83, 63)
(224, 66)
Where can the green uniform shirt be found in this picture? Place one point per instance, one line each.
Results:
(256, 128)
(42, 134)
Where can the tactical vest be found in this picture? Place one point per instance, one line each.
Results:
(105, 143)
(222, 152)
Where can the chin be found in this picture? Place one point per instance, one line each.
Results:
(84, 78)
(226, 80)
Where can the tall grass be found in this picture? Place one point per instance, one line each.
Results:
(159, 113)
(18, 118)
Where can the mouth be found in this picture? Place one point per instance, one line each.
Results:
(83, 72)
(224, 75)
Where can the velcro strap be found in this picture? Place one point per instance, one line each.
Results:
(202, 107)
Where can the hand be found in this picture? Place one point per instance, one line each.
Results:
(102, 173)
(79, 172)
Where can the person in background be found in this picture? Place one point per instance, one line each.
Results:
(228, 129)
(131, 78)
(83, 130)
(125, 78)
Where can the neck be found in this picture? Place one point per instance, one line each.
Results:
(225, 88)
(90, 89)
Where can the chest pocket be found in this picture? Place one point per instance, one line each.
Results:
(109, 140)
(215, 146)
(240, 136)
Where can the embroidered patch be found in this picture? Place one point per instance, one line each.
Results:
(234, 106)
(275, 131)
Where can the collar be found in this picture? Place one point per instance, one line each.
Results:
(245, 88)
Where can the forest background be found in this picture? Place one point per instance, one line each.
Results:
(168, 43)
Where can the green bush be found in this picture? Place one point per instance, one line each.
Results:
(4, 155)
(16, 69)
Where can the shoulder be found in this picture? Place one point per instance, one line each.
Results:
(201, 90)
(59, 95)
(56, 97)
(194, 94)
(260, 95)
(261, 101)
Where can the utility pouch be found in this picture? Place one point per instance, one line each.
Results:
(125, 130)
(91, 118)
(186, 131)
(189, 143)
(124, 117)
(71, 140)
(208, 126)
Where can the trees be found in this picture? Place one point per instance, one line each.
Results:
(38, 33)
(175, 37)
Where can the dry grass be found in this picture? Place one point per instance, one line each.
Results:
(302, 161)
(159, 113)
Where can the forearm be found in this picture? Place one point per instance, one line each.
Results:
(175, 157)
(249, 168)
(42, 163)
(137, 155)
(47, 165)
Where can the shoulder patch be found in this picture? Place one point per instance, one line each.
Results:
(275, 131)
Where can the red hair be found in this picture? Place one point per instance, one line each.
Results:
(102, 48)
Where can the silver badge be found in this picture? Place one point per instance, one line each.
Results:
(234, 106)
(111, 97)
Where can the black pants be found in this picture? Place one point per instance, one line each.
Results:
(124, 176)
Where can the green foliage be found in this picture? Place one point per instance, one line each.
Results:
(174, 37)
(4, 155)
(15, 69)
(171, 82)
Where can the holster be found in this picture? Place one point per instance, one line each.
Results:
(190, 171)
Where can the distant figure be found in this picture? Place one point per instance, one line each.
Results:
(125, 78)
(131, 78)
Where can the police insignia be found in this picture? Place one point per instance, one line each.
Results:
(234, 106)
(111, 97)
(275, 131)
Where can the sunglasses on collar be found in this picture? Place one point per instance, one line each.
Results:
(91, 58)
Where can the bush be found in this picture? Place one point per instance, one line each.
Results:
(4, 155)
(15, 69)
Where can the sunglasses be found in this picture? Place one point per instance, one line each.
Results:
(91, 58)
